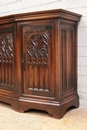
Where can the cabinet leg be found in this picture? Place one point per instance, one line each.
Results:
(58, 112)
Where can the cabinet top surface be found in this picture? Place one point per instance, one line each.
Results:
(47, 14)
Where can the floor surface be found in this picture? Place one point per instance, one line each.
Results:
(74, 119)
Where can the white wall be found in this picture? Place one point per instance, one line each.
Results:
(78, 6)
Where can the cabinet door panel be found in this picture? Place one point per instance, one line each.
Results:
(38, 76)
(7, 59)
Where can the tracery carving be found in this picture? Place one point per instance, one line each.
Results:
(6, 48)
(37, 49)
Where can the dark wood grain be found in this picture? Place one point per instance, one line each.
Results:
(38, 61)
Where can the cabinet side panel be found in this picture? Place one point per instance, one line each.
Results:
(67, 59)
(68, 47)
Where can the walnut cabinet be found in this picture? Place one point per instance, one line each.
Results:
(38, 61)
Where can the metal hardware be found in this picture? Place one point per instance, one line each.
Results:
(24, 61)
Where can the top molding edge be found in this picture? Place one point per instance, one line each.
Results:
(56, 13)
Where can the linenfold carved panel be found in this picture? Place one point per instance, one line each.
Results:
(37, 49)
(6, 59)
(37, 45)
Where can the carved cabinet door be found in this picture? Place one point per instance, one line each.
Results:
(8, 73)
(38, 58)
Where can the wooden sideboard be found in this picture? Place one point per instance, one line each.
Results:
(38, 61)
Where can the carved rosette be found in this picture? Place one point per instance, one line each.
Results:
(37, 49)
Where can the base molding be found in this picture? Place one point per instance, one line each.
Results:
(56, 110)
